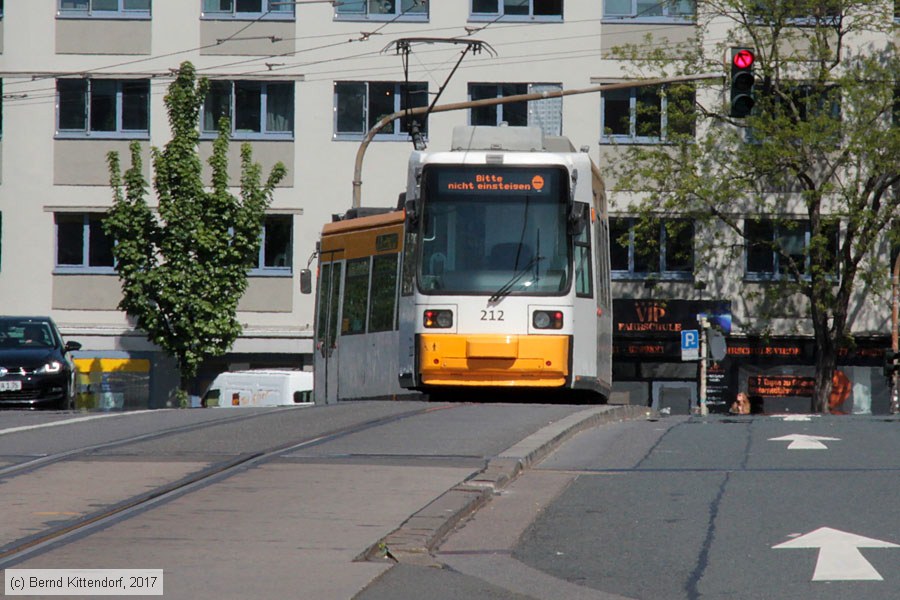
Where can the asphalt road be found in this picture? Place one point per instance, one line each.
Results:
(737, 508)
(712, 507)
(309, 490)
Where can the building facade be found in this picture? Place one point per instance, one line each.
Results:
(303, 82)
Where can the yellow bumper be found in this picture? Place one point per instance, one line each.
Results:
(494, 360)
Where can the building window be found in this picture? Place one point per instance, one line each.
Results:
(808, 102)
(647, 114)
(248, 9)
(382, 10)
(359, 105)
(780, 249)
(256, 110)
(895, 111)
(104, 9)
(660, 249)
(649, 9)
(532, 10)
(103, 108)
(801, 103)
(81, 243)
(545, 113)
(797, 13)
(894, 242)
(275, 247)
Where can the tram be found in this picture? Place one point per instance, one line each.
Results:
(492, 274)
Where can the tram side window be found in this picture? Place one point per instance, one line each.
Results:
(583, 275)
(384, 293)
(603, 273)
(409, 266)
(328, 303)
(356, 292)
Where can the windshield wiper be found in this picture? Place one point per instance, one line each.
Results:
(506, 289)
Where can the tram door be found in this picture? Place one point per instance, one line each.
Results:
(328, 306)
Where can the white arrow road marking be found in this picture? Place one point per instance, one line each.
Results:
(839, 557)
(801, 441)
(796, 417)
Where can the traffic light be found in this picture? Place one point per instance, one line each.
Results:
(891, 364)
(742, 81)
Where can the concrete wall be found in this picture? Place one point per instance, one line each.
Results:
(107, 36)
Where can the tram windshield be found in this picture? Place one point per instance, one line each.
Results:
(494, 230)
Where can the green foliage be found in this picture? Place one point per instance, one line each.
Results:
(184, 267)
(822, 144)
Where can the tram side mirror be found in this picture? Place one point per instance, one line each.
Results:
(305, 281)
(412, 216)
(578, 217)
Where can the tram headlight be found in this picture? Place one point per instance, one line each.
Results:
(547, 319)
(438, 319)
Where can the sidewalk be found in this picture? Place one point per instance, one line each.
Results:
(416, 537)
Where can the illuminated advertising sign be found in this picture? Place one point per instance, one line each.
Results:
(781, 385)
(496, 181)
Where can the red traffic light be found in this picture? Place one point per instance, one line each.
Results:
(742, 82)
(743, 59)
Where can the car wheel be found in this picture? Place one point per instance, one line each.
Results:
(67, 402)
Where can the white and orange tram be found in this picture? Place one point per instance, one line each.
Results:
(493, 275)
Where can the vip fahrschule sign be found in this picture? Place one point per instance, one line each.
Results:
(668, 318)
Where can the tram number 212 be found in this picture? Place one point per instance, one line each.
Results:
(492, 315)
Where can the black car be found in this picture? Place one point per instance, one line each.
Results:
(36, 367)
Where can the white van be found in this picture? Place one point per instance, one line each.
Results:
(261, 387)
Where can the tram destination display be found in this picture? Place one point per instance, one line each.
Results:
(497, 181)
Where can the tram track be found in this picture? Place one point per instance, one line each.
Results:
(23, 548)
(42, 461)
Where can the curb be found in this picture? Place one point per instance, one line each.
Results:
(414, 540)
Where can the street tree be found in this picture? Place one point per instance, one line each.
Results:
(183, 267)
(807, 181)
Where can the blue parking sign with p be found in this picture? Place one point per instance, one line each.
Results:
(690, 344)
(690, 339)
